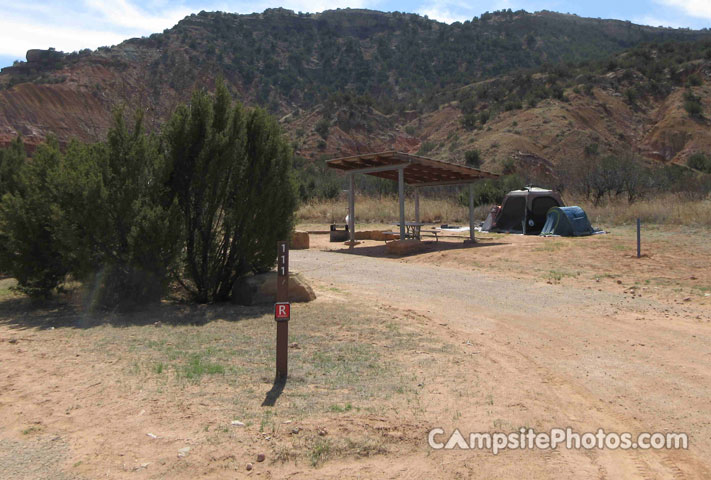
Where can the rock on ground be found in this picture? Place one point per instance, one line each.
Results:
(299, 241)
(404, 247)
(261, 289)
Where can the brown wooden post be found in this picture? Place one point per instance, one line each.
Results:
(401, 197)
(282, 309)
(351, 210)
(472, 238)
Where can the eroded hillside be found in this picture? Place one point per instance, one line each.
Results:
(534, 88)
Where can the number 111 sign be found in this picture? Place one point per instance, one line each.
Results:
(282, 309)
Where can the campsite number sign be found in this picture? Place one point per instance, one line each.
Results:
(282, 272)
(282, 309)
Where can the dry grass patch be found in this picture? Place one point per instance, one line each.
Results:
(665, 210)
(385, 210)
(187, 378)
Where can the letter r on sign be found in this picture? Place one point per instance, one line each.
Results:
(282, 310)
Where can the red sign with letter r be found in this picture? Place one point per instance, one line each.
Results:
(282, 310)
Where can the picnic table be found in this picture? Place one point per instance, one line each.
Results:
(412, 229)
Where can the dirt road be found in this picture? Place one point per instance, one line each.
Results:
(546, 356)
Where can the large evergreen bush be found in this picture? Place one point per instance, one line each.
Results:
(231, 175)
(205, 204)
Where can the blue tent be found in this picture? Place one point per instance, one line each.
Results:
(567, 222)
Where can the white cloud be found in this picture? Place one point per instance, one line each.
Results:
(70, 26)
(311, 6)
(321, 5)
(653, 21)
(75, 26)
(692, 8)
(449, 11)
(437, 12)
(16, 37)
(122, 13)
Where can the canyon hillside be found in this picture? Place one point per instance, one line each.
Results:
(531, 88)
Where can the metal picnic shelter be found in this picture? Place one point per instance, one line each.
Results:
(407, 169)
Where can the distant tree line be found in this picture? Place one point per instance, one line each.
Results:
(401, 61)
(202, 204)
(601, 177)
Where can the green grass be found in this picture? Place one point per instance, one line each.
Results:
(551, 246)
(32, 429)
(555, 276)
(7, 289)
(198, 366)
(341, 409)
(320, 451)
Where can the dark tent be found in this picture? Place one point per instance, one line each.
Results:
(525, 209)
(567, 222)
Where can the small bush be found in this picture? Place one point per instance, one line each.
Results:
(694, 80)
(472, 158)
(426, 148)
(322, 128)
(700, 162)
(492, 191)
(693, 106)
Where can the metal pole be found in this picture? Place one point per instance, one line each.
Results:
(401, 194)
(471, 212)
(639, 238)
(417, 205)
(351, 210)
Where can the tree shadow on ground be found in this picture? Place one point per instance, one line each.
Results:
(380, 250)
(23, 313)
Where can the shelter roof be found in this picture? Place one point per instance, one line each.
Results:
(418, 171)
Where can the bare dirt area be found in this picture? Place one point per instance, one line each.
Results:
(514, 332)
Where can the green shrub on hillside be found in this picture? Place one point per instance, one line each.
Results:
(472, 158)
(322, 127)
(692, 105)
(700, 162)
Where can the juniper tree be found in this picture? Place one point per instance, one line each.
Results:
(32, 252)
(11, 160)
(118, 216)
(231, 175)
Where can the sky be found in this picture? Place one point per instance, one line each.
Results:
(79, 24)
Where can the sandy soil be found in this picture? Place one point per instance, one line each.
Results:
(514, 332)
(567, 332)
